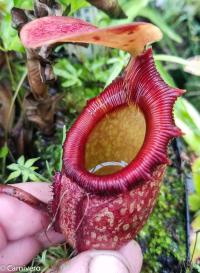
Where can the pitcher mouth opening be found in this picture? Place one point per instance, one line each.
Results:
(105, 142)
(122, 135)
(115, 140)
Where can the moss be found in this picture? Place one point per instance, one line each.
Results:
(163, 238)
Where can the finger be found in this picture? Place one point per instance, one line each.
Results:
(40, 190)
(133, 254)
(108, 263)
(3, 239)
(97, 262)
(19, 219)
(79, 264)
(19, 253)
(49, 238)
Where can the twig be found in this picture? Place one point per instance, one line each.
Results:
(9, 70)
(9, 116)
(15, 96)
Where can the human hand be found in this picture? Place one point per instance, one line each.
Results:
(128, 259)
(23, 229)
(23, 235)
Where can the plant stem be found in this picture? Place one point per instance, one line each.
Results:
(15, 96)
(3, 166)
(43, 179)
(13, 83)
(9, 114)
(2, 49)
(12, 102)
(10, 70)
(16, 92)
(63, 140)
(170, 58)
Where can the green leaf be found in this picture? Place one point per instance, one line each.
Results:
(133, 7)
(13, 175)
(157, 19)
(23, 4)
(195, 227)
(196, 267)
(26, 169)
(9, 35)
(196, 175)
(69, 83)
(21, 160)
(196, 223)
(194, 201)
(33, 177)
(187, 117)
(13, 167)
(30, 162)
(69, 73)
(64, 132)
(4, 151)
(195, 243)
(75, 5)
(188, 120)
(5, 6)
(49, 170)
(171, 59)
(116, 69)
(25, 175)
(164, 74)
(33, 168)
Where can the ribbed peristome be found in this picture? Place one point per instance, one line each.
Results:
(141, 85)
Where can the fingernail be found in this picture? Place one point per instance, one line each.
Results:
(107, 264)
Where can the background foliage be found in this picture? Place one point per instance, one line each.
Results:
(81, 74)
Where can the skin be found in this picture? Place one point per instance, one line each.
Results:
(23, 228)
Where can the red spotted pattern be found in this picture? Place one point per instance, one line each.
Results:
(104, 212)
(91, 221)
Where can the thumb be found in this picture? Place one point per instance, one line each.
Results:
(127, 260)
(133, 254)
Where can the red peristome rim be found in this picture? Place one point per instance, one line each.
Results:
(143, 86)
